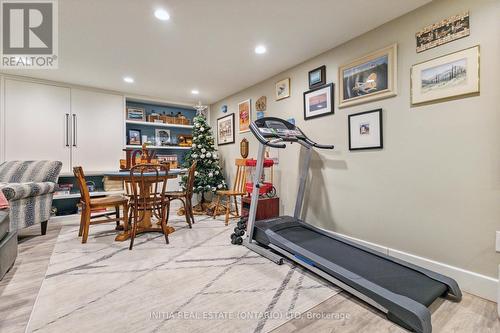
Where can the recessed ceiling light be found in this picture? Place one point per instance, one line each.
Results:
(260, 49)
(128, 79)
(195, 92)
(162, 14)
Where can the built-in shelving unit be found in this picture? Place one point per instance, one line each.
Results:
(161, 147)
(145, 123)
(148, 128)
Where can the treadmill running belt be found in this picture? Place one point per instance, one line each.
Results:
(389, 275)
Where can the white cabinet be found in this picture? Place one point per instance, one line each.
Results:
(36, 117)
(74, 126)
(97, 130)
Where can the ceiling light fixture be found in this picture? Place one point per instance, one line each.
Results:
(195, 92)
(128, 79)
(260, 49)
(162, 14)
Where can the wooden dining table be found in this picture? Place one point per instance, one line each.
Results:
(146, 225)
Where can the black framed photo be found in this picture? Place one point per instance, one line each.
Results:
(225, 130)
(134, 137)
(317, 77)
(318, 102)
(365, 130)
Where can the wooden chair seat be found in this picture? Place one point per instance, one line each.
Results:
(176, 194)
(230, 192)
(107, 201)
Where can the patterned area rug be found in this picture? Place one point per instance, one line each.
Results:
(197, 283)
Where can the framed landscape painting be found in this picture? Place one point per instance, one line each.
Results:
(225, 130)
(365, 130)
(369, 78)
(244, 115)
(318, 102)
(450, 76)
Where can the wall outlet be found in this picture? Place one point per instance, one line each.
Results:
(497, 244)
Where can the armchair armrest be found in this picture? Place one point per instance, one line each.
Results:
(16, 191)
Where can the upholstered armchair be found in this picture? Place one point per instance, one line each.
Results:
(29, 187)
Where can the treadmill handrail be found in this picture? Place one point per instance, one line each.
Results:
(315, 144)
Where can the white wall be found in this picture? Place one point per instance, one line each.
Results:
(434, 190)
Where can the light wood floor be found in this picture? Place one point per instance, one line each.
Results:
(19, 288)
(340, 313)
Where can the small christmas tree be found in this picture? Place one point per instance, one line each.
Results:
(208, 175)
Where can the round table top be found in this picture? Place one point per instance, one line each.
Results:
(126, 174)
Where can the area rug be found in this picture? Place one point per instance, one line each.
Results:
(197, 283)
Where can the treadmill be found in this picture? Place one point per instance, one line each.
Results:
(401, 290)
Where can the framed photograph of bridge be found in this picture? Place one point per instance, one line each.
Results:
(451, 76)
(369, 78)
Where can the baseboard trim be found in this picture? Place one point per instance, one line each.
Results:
(470, 282)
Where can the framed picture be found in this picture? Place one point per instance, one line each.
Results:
(365, 130)
(450, 29)
(138, 114)
(225, 130)
(244, 115)
(162, 137)
(282, 89)
(318, 102)
(134, 137)
(369, 78)
(450, 76)
(317, 77)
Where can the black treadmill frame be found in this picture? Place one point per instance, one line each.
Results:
(399, 309)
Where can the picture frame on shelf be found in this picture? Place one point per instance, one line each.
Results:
(244, 115)
(319, 102)
(451, 76)
(445, 31)
(134, 137)
(317, 77)
(136, 114)
(225, 130)
(282, 89)
(369, 78)
(162, 137)
(365, 130)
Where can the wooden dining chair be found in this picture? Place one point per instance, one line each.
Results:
(237, 191)
(148, 183)
(88, 204)
(185, 196)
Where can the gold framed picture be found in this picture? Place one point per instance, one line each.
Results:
(451, 76)
(369, 78)
(244, 115)
(282, 89)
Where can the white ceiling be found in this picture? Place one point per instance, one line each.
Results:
(206, 45)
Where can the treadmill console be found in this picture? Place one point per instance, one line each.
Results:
(270, 128)
(275, 132)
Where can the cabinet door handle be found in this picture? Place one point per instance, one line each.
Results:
(75, 125)
(67, 129)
